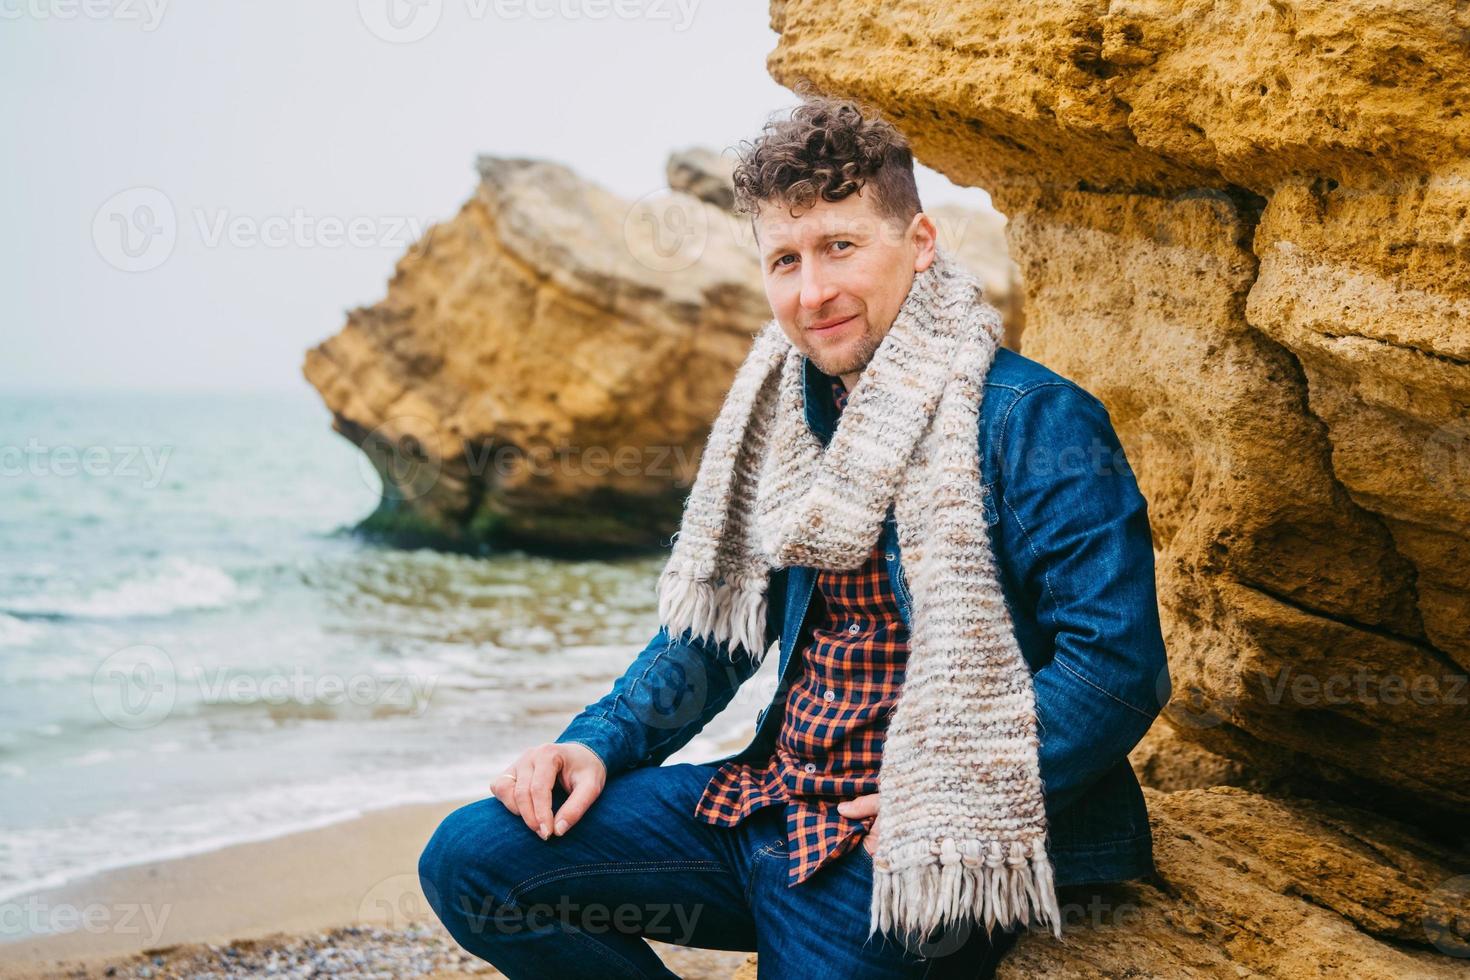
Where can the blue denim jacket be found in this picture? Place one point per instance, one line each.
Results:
(1072, 544)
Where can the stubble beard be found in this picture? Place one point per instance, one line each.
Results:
(853, 362)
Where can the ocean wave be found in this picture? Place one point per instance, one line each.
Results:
(176, 585)
(17, 632)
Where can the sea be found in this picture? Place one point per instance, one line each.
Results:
(196, 650)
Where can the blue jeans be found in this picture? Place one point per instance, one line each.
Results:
(639, 864)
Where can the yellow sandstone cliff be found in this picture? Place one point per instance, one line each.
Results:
(1244, 227)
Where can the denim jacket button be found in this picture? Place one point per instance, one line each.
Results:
(810, 767)
(889, 556)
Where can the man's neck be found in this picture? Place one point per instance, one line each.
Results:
(849, 381)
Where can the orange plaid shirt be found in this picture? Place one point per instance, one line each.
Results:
(830, 745)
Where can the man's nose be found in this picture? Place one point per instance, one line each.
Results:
(816, 290)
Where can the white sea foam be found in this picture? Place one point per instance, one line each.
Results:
(174, 585)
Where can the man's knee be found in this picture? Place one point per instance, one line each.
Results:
(459, 868)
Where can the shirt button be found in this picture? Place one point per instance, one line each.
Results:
(853, 629)
(810, 767)
(829, 695)
(889, 556)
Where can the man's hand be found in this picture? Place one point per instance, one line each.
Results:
(859, 808)
(580, 771)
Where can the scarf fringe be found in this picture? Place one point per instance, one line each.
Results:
(732, 612)
(947, 888)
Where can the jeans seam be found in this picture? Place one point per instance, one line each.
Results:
(607, 952)
(1100, 689)
(768, 851)
(561, 874)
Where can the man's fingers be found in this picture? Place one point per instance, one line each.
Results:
(541, 782)
(504, 789)
(525, 809)
(862, 806)
(584, 792)
(529, 795)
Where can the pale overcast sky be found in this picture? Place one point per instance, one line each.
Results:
(280, 117)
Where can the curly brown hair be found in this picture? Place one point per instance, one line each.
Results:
(827, 148)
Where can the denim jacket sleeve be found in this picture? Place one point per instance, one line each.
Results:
(1086, 555)
(668, 694)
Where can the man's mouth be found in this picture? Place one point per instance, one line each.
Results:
(832, 325)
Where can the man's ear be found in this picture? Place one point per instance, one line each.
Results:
(924, 236)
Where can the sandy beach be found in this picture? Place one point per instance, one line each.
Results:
(341, 900)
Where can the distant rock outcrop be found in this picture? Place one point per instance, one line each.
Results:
(704, 174)
(546, 364)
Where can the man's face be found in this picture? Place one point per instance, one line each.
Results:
(837, 274)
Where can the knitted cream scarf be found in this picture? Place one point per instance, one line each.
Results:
(963, 828)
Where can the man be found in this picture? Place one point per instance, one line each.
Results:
(994, 634)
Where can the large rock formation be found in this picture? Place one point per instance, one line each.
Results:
(1253, 887)
(1244, 227)
(546, 365)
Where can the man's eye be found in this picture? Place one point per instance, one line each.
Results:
(783, 259)
(842, 243)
